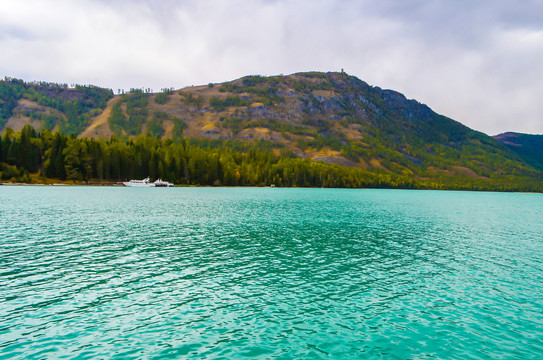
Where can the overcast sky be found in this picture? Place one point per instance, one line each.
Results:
(479, 62)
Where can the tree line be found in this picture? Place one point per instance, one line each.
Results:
(38, 156)
(190, 162)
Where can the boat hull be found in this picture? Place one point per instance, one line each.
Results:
(147, 183)
(127, 183)
(139, 183)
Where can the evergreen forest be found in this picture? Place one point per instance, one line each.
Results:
(46, 157)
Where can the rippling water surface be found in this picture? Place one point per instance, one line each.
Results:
(101, 272)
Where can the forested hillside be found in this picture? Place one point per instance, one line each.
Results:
(326, 120)
(528, 147)
(50, 106)
(196, 162)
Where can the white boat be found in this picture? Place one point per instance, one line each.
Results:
(162, 183)
(139, 183)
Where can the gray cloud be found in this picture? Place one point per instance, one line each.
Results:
(479, 62)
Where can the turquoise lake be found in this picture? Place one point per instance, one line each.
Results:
(231, 273)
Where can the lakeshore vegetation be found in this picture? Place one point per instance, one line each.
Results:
(39, 157)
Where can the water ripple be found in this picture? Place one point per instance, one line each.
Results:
(269, 273)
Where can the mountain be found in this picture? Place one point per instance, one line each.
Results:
(334, 118)
(50, 106)
(527, 147)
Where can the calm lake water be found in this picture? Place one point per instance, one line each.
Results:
(205, 273)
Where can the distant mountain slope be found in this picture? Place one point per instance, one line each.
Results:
(329, 117)
(50, 106)
(528, 147)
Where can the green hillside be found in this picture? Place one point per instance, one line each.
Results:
(49, 105)
(528, 147)
(329, 118)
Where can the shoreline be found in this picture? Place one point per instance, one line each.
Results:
(120, 184)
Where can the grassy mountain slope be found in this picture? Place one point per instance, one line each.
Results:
(329, 117)
(528, 147)
(50, 106)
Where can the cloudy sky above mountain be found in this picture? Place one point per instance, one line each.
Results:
(478, 61)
